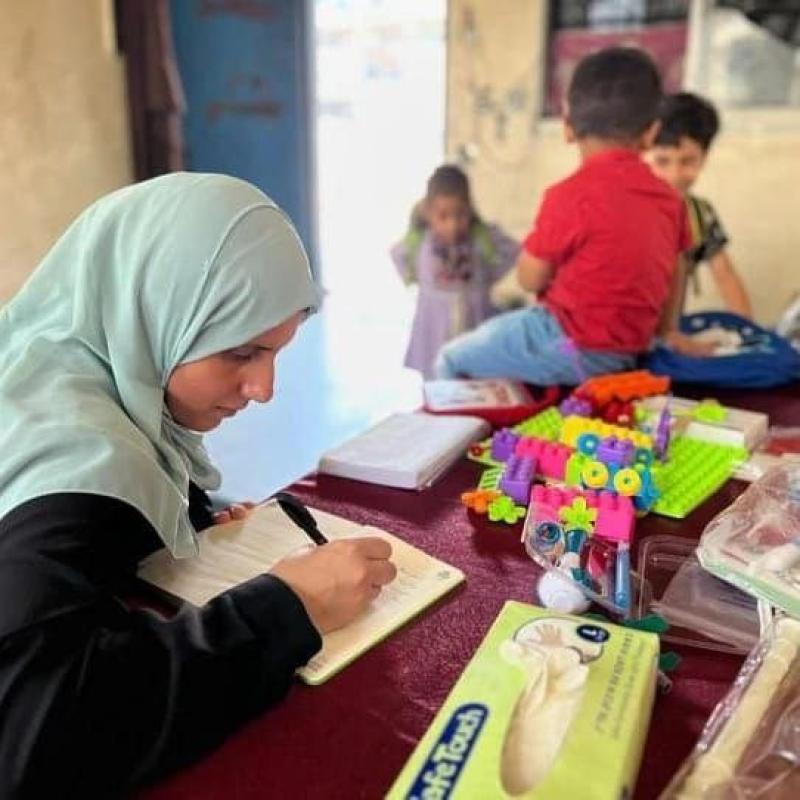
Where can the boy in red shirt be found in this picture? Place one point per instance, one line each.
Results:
(603, 252)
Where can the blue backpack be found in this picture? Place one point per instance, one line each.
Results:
(764, 359)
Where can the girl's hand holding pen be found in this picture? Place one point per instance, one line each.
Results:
(337, 581)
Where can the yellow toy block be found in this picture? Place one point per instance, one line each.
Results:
(573, 427)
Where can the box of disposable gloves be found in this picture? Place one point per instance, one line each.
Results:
(550, 706)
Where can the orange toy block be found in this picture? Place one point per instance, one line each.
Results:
(480, 499)
(624, 386)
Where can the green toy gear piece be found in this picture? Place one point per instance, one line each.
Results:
(504, 509)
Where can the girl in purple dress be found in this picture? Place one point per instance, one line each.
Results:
(454, 257)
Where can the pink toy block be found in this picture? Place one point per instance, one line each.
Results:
(616, 514)
(551, 457)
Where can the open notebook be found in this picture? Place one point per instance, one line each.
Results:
(233, 553)
(408, 451)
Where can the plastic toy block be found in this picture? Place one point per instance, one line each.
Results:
(573, 427)
(662, 434)
(635, 482)
(480, 500)
(710, 410)
(623, 386)
(693, 472)
(491, 478)
(504, 509)
(648, 494)
(578, 516)
(616, 515)
(612, 450)
(518, 477)
(551, 457)
(481, 453)
(576, 406)
(740, 428)
(503, 444)
(545, 425)
(619, 412)
(575, 464)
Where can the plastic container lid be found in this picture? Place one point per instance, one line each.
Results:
(702, 610)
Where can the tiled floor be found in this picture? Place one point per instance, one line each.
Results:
(342, 373)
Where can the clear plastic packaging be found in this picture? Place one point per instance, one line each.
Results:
(755, 543)
(702, 611)
(750, 747)
(608, 579)
(782, 442)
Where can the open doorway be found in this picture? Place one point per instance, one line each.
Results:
(380, 115)
(380, 87)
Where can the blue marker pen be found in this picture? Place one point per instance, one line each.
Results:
(622, 587)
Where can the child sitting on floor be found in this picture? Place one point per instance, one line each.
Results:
(455, 258)
(688, 127)
(603, 252)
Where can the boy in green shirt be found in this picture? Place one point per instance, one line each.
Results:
(688, 126)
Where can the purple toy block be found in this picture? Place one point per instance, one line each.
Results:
(576, 407)
(518, 477)
(551, 457)
(503, 444)
(662, 437)
(615, 451)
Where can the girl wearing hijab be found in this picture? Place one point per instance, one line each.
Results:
(157, 314)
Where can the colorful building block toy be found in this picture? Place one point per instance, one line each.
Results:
(636, 481)
(578, 516)
(480, 499)
(619, 412)
(504, 509)
(574, 406)
(503, 444)
(612, 450)
(663, 432)
(551, 457)
(545, 425)
(710, 410)
(573, 427)
(518, 477)
(694, 471)
(490, 479)
(738, 428)
(623, 386)
(616, 515)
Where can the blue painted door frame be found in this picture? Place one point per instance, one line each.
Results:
(246, 70)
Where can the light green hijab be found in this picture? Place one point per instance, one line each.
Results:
(149, 277)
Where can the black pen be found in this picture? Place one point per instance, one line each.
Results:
(301, 516)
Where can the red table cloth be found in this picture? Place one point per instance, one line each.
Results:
(351, 736)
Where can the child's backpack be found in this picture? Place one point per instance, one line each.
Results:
(763, 359)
